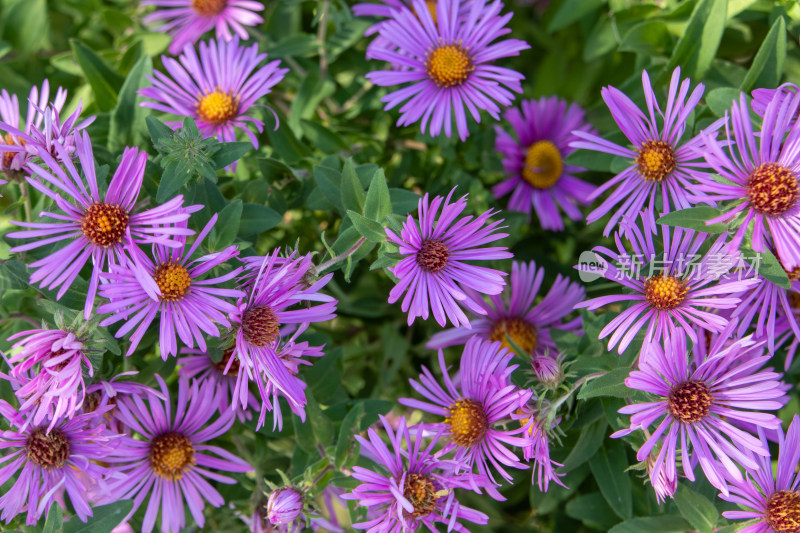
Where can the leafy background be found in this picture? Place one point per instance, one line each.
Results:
(338, 170)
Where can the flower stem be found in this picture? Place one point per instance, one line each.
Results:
(321, 29)
(26, 199)
(341, 257)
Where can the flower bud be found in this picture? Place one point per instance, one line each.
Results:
(284, 506)
(547, 369)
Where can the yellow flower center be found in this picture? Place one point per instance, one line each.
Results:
(665, 292)
(521, 332)
(656, 160)
(543, 165)
(467, 421)
(420, 491)
(171, 455)
(783, 511)
(173, 280)
(772, 189)
(47, 450)
(209, 8)
(104, 224)
(217, 107)
(449, 65)
(260, 326)
(690, 401)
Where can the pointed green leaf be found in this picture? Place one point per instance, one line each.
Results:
(378, 203)
(608, 467)
(127, 117)
(257, 219)
(230, 152)
(697, 47)
(104, 518)
(105, 81)
(767, 67)
(366, 227)
(696, 509)
(652, 524)
(227, 225)
(352, 194)
(157, 129)
(610, 384)
(694, 218)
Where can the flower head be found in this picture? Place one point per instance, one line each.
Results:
(171, 285)
(93, 224)
(46, 463)
(534, 159)
(285, 508)
(759, 186)
(538, 449)
(41, 132)
(763, 97)
(672, 291)
(433, 275)
(414, 488)
(270, 317)
(774, 501)
(49, 369)
(474, 411)
(187, 20)
(216, 88)
(170, 461)
(660, 163)
(514, 314)
(448, 63)
(696, 405)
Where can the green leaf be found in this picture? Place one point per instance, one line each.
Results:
(307, 99)
(230, 152)
(321, 426)
(105, 81)
(104, 518)
(378, 203)
(696, 509)
(721, 99)
(304, 436)
(571, 11)
(257, 219)
(5, 48)
(126, 119)
(227, 225)
(324, 139)
(669, 523)
(328, 180)
(349, 427)
(366, 227)
(694, 218)
(592, 510)
(647, 38)
(609, 470)
(768, 267)
(612, 383)
(767, 67)
(13, 275)
(55, 520)
(157, 129)
(172, 180)
(699, 43)
(589, 441)
(297, 45)
(352, 194)
(25, 24)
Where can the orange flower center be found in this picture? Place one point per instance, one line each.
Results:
(209, 8)
(467, 421)
(173, 280)
(783, 511)
(104, 224)
(449, 65)
(8, 157)
(521, 332)
(47, 450)
(171, 455)
(217, 107)
(420, 491)
(690, 401)
(665, 292)
(543, 165)
(772, 189)
(260, 326)
(656, 160)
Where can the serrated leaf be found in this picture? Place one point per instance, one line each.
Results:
(104, 518)
(105, 81)
(612, 383)
(378, 203)
(767, 67)
(366, 227)
(608, 468)
(230, 152)
(352, 194)
(694, 218)
(698, 45)
(696, 509)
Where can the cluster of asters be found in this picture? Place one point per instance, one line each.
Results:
(711, 323)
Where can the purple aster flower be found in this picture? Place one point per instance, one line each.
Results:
(433, 274)
(45, 464)
(448, 63)
(93, 223)
(671, 293)
(660, 163)
(415, 488)
(534, 159)
(216, 88)
(538, 449)
(169, 285)
(772, 500)
(269, 318)
(187, 20)
(514, 314)
(170, 461)
(763, 97)
(200, 366)
(42, 130)
(474, 411)
(49, 369)
(663, 486)
(285, 509)
(698, 403)
(758, 187)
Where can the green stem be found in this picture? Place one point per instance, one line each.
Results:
(341, 257)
